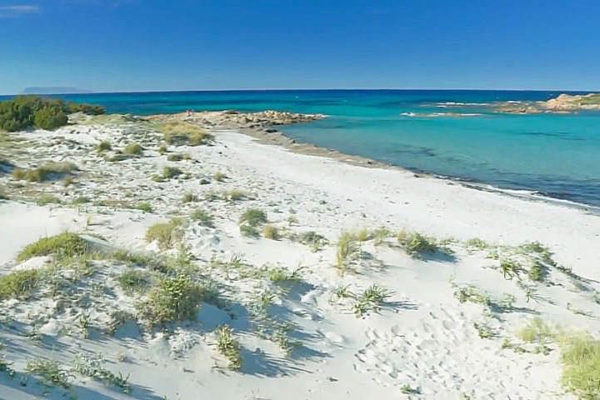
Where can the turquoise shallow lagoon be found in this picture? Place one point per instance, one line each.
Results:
(444, 132)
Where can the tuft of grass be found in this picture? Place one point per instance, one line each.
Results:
(175, 157)
(380, 234)
(63, 245)
(189, 197)
(46, 198)
(536, 331)
(249, 231)
(347, 249)
(538, 272)
(162, 149)
(134, 281)
(538, 250)
(416, 244)
(19, 283)
(271, 232)
(204, 218)
(510, 269)
(103, 146)
(580, 358)
(253, 217)
(133, 149)
(219, 176)
(371, 299)
(144, 206)
(93, 368)
(229, 347)
(172, 299)
(473, 295)
(476, 244)
(81, 200)
(312, 239)
(171, 172)
(48, 171)
(50, 371)
(234, 195)
(167, 234)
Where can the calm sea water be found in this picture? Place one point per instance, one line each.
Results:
(449, 133)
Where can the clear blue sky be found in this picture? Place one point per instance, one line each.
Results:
(135, 45)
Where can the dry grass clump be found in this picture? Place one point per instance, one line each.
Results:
(219, 176)
(103, 146)
(181, 133)
(19, 283)
(50, 371)
(48, 171)
(133, 149)
(167, 234)
(347, 249)
(63, 245)
(175, 157)
(271, 232)
(134, 281)
(536, 331)
(250, 220)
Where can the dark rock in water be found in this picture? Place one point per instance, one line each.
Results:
(270, 130)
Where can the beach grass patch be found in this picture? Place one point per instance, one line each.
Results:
(203, 217)
(181, 133)
(580, 357)
(271, 232)
(19, 284)
(372, 299)
(172, 299)
(62, 245)
(416, 244)
(166, 234)
(134, 281)
(103, 146)
(48, 171)
(50, 371)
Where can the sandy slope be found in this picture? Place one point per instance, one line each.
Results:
(423, 338)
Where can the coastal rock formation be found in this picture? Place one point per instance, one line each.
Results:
(564, 103)
(236, 119)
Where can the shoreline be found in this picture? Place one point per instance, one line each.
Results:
(279, 138)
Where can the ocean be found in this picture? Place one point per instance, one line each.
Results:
(451, 133)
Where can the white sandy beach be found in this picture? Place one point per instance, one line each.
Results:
(422, 342)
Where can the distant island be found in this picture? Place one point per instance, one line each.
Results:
(54, 90)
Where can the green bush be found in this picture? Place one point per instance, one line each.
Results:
(18, 283)
(24, 112)
(49, 118)
(65, 245)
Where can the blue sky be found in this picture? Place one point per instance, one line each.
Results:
(136, 45)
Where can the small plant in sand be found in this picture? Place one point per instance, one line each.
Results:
(175, 157)
(472, 294)
(271, 232)
(103, 146)
(133, 149)
(219, 176)
(580, 357)
(144, 206)
(407, 389)
(312, 239)
(347, 250)
(166, 234)
(416, 244)
(48, 171)
(537, 250)
(538, 272)
(234, 195)
(92, 366)
(510, 269)
(19, 283)
(229, 347)
(380, 234)
(170, 172)
(63, 245)
(204, 218)
(250, 220)
(172, 299)
(189, 197)
(134, 281)
(50, 371)
(483, 330)
(372, 299)
(45, 199)
(476, 244)
(162, 149)
(536, 331)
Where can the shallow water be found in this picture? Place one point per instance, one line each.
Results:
(449, 133)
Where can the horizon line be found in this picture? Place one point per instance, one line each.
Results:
(90, 92)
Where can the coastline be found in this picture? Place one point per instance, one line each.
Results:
(279, 138)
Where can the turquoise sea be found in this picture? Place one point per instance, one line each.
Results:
(444, 132)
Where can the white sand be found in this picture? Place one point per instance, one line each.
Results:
(422, 337)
